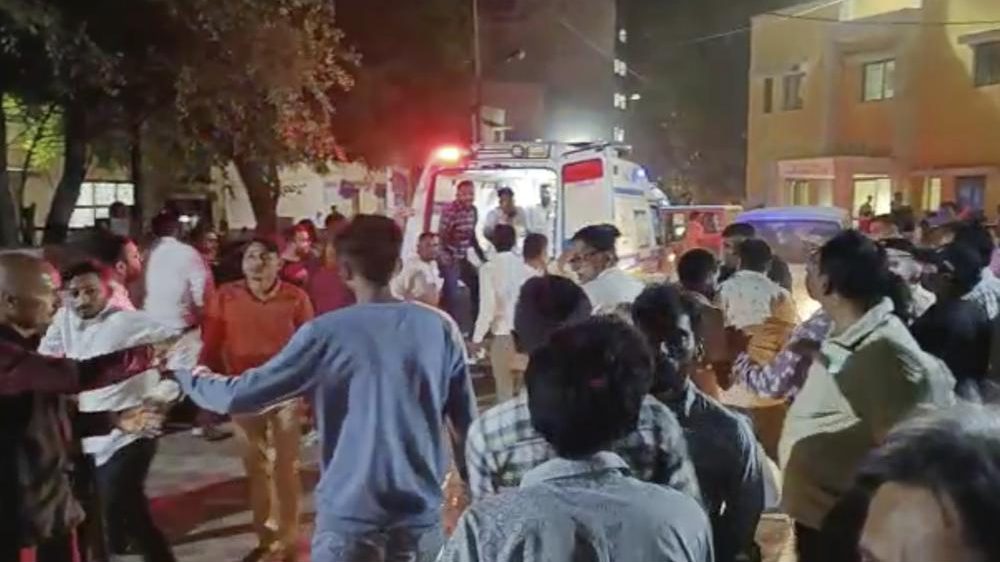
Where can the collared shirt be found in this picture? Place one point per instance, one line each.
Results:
(727, 462)
(503, 446)
(868, 377)
(541, 220)
(583, 509)
(986, 294)
(242, 331)
(500, 281)
(178, 282)
(383, 378)
(748, 298)
(419, 280)
(611, 290)
(111, 330)
(457, 228)
(784, 376)
(779, 272)
(497, 216)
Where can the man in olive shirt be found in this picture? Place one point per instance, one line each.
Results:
(868, 375)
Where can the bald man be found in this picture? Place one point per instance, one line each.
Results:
(37, 508)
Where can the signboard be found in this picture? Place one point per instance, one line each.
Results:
(811, 169)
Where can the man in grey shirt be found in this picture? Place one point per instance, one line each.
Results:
(583, 504)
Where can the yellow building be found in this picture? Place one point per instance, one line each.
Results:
(853, 99)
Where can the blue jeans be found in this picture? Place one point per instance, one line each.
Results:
(384, 545)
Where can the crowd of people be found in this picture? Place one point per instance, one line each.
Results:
(632, 421)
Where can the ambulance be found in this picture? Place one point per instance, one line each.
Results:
(569, 186)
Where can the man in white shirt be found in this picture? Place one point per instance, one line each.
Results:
(177, 278)
(541, 219)
(749, 297)
(87, 326)
(506, 213)
(420, 279)
(121, 255)
(500, 281)
(595, 262)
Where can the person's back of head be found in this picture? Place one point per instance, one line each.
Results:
(504, 237)
(855, 268)
(107, 248)
(534, 246)
(755, 255)
(369, 246)
(975, 236)
(167, 223)
(598, 366)
(739, 230)
(941, 469)
(697, 270)
(545, 305)
(657, 313)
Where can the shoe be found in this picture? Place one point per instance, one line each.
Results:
(213, 433)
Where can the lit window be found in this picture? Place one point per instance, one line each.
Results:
(619, 134)
(878, 81)
(95, 198)
(987, 57)
(621, 69)
(621, 101)
(623, 35)
(932, 194)
(792, 91)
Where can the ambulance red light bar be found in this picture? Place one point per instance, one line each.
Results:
(449, 154)
(585, 170)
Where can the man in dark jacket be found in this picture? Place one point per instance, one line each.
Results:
(37, 507)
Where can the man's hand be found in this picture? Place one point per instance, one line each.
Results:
(805, 348)
(145, 420)
(162, 351)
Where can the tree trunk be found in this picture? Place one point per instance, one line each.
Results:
(74, 172)
(263, 189)
(8, 209)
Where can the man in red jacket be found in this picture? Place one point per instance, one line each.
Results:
(37, 507)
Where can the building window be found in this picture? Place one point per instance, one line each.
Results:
(623, 35)
(619, 134)
(621, 69)
(932, 194)
(798, 192)
(768, 95)
(987, 57)
(621, 101)
(792, 91)
(95, 198)
(876, 188)
(878, 81)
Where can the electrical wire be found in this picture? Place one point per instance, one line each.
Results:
(881, 22)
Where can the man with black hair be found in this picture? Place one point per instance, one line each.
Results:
(734, 235)
(749, 297)
(698, 272)
(594, 259)
(457, 234)
(954, 329)
(584, 499)
(546, 304)
(270, 441)
(868, 375)
(902, 256)
(931, 492)
(986, 293)
(386, 379)
(122, 256)
(722, 443)
(535, 252)
(420, 278)
(500, 281)
(89, 324)
(506, 213)
(178, 281)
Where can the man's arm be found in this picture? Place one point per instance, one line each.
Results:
(304, 311)
(460, 409)
(26, 371)
(213, 335)
(52, 343)
(289, 374)
(487, 305)
(744, 500)
(202, 284)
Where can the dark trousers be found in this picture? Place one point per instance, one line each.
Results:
(809, 544)
(464, 313)
(58, 549)
(121, 487)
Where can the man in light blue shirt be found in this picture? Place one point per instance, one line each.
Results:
(584, 504)
(384, 377)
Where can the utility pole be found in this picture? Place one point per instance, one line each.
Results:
(477, 111)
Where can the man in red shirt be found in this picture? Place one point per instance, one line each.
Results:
(246, 324)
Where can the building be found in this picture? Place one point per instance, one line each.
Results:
(854, 99)
(554, 69)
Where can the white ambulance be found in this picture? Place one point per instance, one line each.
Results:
(584, 184)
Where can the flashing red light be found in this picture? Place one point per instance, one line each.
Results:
(449, 154)
(583, 171)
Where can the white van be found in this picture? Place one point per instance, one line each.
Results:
(586, 183)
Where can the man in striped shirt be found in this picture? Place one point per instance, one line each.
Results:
(457, 231)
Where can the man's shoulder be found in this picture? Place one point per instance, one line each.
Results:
(292, 292)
